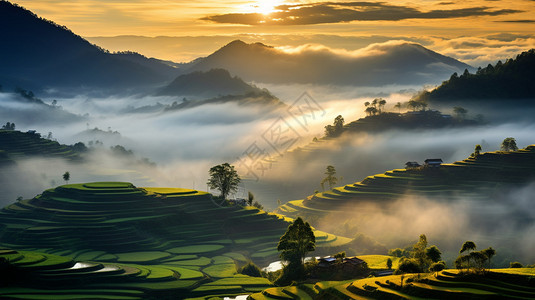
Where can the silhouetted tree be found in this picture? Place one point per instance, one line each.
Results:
(250, 198)
(330, 179)
(381, 103)
(9, 126)
(389, 263)
(489, 252)
(433, 253)
(66, 176)
(509, 144)
(477, 150)
(337, 128)
(224, 178)
(419, 253)
(398, 106)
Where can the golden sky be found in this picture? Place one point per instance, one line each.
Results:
(418, 19)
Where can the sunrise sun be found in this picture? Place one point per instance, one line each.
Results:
(266, 6)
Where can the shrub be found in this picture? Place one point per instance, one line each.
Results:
(515, 265)
(250, 269)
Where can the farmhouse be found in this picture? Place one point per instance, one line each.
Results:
(433, 162)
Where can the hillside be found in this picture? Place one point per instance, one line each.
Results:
(146, 237)
(401, 63)
(426, 119)
(512, 80)
(448, 284)
(43, 55)
(213, 83)
(19, 145)
(475, 177)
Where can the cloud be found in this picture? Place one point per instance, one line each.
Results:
(331, 12)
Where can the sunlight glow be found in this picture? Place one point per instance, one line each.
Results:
(266, 7)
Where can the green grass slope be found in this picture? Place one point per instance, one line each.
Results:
(448, 284)
(16, 144)
(159, 231)
(472, 176)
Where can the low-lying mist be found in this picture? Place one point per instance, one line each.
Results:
(504, 221)
(185, 143)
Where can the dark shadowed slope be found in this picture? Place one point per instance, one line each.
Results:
(380, 64)
(213, 83)
(39, 54)
(514, 79)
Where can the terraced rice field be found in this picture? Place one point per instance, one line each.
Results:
(115, 240)
(448, 284)
(475, 177)
(20, 144)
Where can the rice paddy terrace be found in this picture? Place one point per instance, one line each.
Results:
(17, 144)
(114, 240)
(477, 177)
(448, 284)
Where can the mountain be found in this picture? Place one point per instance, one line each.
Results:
(514, 79)
(212, 83)
(45, 56)
(378, 64)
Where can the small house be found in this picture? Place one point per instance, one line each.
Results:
(433, 162)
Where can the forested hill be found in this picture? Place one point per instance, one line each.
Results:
(514, 79)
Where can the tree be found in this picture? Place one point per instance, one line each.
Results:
(515, 265)
(293, 246)
(66, 176)
(250, 269)
(477, 150)
(468, 246)
(437, 267)
(408, 265)
(381, 103)
(465, 259)
(330, 179)
(398, 106)
(433, 253)
(509, 144)
(489, 252)
(419, 253)
(9, 126)
(224, 178)
(460, 112)
(337, 128)
(389, 263)
(250, 198)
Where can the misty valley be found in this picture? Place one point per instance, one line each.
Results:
(262, 171)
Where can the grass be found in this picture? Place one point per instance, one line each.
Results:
(142, 257)
(379, 261)
(221, 270)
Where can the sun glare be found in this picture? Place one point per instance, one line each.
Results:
(266, 7)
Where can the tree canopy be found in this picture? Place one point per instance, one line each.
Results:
(509, 144)
(224, 178)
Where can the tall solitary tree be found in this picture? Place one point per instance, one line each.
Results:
(398, 106)
(66, 176)
(224, 178)
(330, 179)
(293, 246)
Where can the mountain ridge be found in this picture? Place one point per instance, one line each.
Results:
(397, 63)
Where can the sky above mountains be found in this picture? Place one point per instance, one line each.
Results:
(498, 28)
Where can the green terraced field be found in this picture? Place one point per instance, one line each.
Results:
(112, 240)
(475, 177)
(448, 284)
(18, 144)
